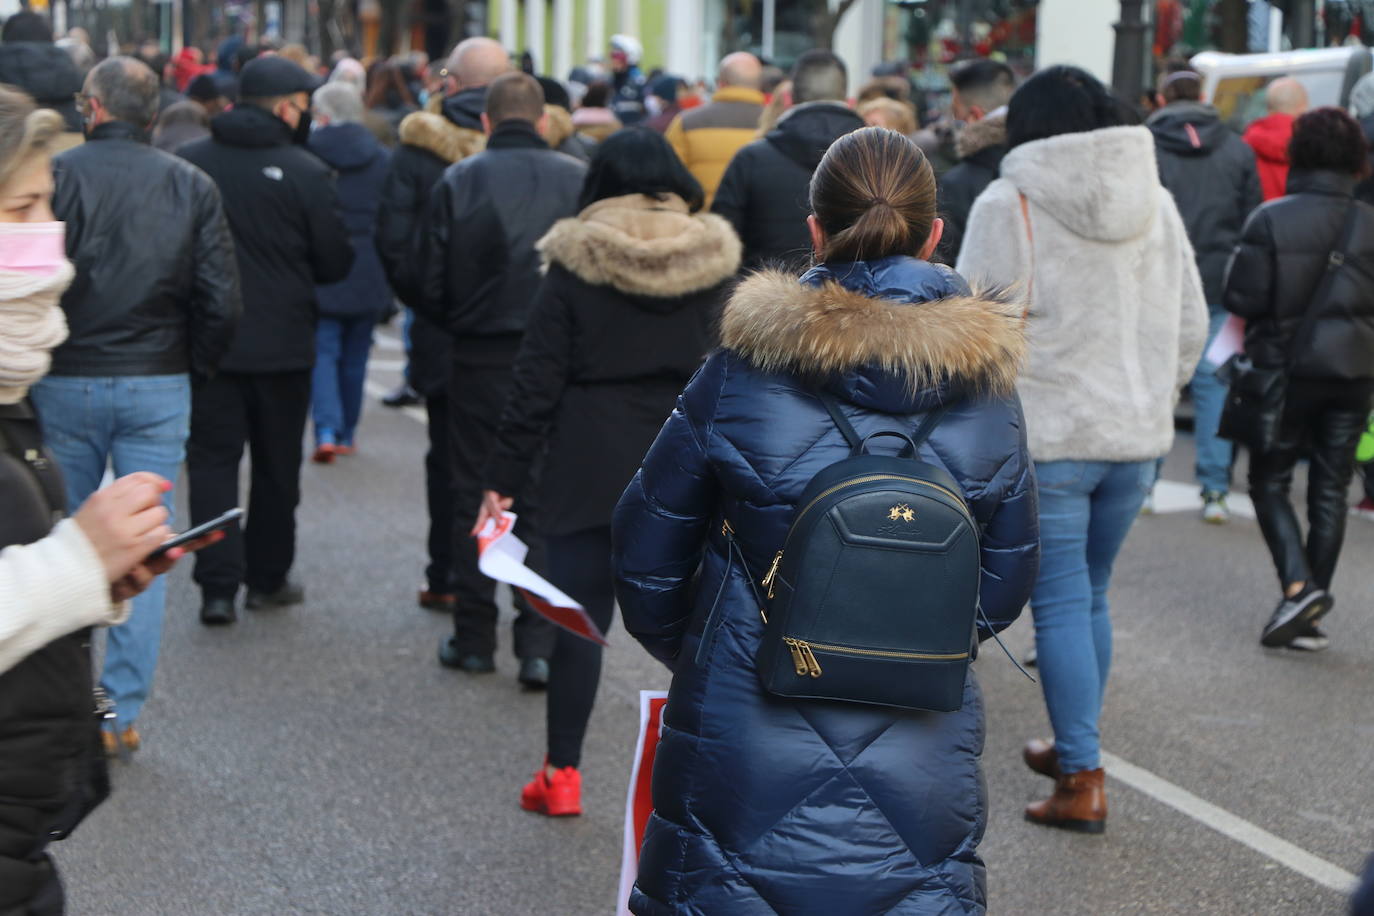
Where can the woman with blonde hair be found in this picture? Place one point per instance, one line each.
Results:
(56, 580)
(773, 804)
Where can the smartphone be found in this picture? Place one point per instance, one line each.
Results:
(200, 531)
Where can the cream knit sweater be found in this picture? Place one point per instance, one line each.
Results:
(51, 588)
(57, 585)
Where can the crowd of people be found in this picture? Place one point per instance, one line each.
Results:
(799, 272)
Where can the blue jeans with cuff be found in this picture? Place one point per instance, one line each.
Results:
(132, 423)
(341, 349)
(1086, 510)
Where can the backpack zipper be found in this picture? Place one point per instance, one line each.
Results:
(771, 578)
(804, 659)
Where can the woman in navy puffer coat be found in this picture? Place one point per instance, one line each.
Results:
(766, 804)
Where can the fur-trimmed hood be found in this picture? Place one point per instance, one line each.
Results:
(884, 331)
(440, 136)
(988, 133)
(644, 247)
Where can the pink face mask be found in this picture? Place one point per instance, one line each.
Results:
(39, 249)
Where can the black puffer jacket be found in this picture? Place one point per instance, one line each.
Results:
(764, 192)
(981, 146)
(157, 287)
(430, 143)
(52, 772)
(288, 231)
(46, 73)
(624, 317)
(1211, 173)
(480, 267)
(1273, 276)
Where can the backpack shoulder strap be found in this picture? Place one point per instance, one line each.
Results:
(928, 425)
(833, 408)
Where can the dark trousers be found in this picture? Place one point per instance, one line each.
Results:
(477, 394)
(579, 564)
(267, 411)
(439, 496)
(31, 888)
(1327, 417)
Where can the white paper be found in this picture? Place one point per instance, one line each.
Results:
(1229, 341)
(629, 860)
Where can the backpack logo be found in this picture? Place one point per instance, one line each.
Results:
(901, 513)
(273, 173)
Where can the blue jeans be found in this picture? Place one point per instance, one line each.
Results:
(1209, 396)
(135, 423)
(1086, 511)
(341, 348)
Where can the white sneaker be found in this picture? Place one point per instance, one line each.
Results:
(1309, 640)
(1214, 510)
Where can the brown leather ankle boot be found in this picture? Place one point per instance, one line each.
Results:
(1079, 803)
(1041, 757)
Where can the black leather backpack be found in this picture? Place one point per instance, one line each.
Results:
(874, 595)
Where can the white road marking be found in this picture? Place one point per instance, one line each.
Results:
(388, 342)
(415, 413)
(1173, 497)
(1186, 497)
(1229, 825)
(387, 365)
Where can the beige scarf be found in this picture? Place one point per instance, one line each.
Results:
(32, 324)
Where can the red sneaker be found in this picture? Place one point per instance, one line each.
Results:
(559, 795)
(324, 453)
(1365, 509)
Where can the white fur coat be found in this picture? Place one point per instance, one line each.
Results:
(1117, 316)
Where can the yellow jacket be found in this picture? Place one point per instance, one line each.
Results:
(707, 138)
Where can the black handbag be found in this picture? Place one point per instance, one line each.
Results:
(1255, 399)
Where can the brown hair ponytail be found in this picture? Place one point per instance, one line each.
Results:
(874, 195)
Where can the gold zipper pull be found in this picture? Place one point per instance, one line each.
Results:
(813, 666)
(769, 579)
(798, 660)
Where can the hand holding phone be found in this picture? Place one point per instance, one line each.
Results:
(198, 532)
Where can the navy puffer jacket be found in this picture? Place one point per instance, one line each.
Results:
(765, 804)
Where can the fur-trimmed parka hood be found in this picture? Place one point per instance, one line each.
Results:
(647, 248)
(990, 132)
(885, 332)
(440, 136)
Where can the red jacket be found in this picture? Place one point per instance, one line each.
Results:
(1269, 137)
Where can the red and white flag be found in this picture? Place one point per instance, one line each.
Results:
(639, 802)
(501, 556)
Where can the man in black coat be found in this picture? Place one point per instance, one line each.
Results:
(144, 319)
(430, 143)
(1212, 174)
(765, 191)
(480, 271)
(982, 89)
(284, 213)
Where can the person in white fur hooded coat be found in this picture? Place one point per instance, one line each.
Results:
(1080, 225)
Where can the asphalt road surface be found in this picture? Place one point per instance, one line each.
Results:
(317, 760)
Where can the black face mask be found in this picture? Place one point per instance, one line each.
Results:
(301, 134)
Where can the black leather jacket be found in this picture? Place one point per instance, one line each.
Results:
(157, 288)
(480, 270)
(1273, 276)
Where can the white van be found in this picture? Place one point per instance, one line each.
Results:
(1235, 83)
